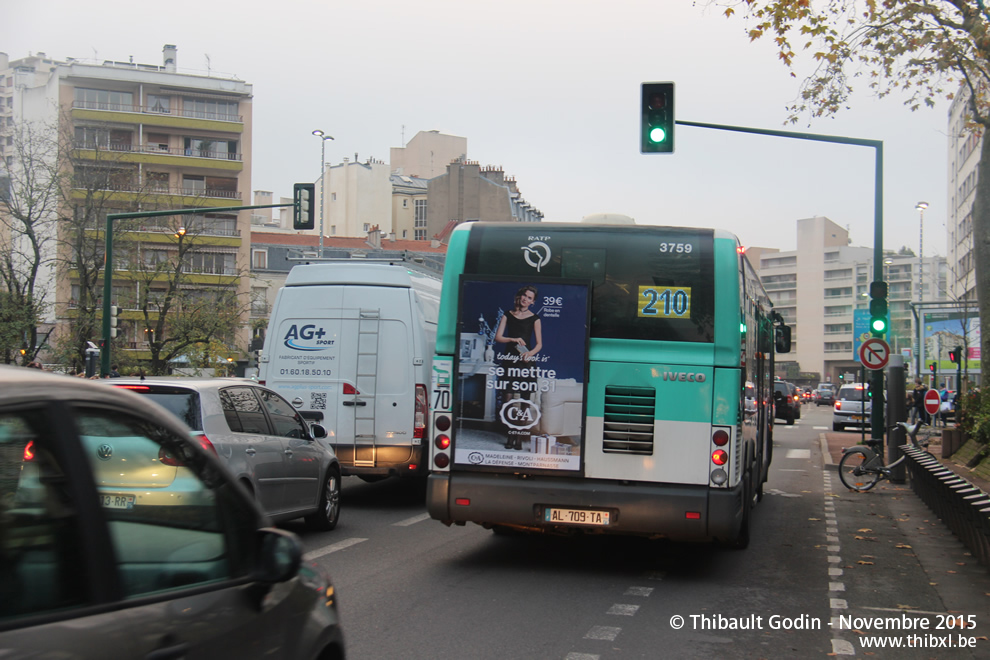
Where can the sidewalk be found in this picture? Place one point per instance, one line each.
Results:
(905, 554)
(832, 444)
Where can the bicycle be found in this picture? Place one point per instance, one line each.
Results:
(862, 467)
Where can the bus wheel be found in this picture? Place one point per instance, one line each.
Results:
(741, 541)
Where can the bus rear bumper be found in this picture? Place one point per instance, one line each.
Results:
(674, 511)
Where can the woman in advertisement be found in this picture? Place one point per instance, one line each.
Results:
(520, 336)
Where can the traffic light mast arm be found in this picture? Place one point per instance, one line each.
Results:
(876, 422)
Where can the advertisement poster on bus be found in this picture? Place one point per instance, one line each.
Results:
(520, 365)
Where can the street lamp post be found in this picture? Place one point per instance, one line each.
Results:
(920, 206)
(323, 151)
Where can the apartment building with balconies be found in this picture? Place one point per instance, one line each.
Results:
(819, 287)
(170, 140)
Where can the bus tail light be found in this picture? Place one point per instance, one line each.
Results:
(442, 441)
(419, 416)
(441, 460)
(720, 457)
(720, 438)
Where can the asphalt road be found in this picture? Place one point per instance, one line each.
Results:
(409, 587)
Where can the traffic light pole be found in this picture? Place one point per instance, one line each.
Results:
(876, 418)
(108, 261)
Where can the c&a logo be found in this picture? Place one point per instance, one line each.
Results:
(307, 338)
(520, 414)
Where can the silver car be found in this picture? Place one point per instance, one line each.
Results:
(190, 567)
(261, 439)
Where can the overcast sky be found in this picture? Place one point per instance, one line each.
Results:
(547, 89)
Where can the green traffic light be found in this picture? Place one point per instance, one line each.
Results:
(879, 325)
(657, 135)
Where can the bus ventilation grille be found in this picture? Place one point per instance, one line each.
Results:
(629, 415)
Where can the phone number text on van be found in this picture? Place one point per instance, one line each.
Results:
(304, 372)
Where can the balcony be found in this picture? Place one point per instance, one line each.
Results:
(158, 150)
(138, 109)
(136, 193)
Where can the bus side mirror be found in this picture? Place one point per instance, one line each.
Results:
(783, 339)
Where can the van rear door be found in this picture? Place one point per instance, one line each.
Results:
(379, 414)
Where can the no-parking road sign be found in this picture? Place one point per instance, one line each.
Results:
(874, 353)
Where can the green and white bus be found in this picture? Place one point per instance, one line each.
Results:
(602, 377)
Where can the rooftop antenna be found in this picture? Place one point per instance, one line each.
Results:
(403, 135)
(207, 63)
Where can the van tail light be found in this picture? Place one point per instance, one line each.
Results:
(29, 451)
(261, 382)
(350, 389)
(419, 416)
(167, 457)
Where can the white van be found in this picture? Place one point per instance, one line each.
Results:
(349, 344)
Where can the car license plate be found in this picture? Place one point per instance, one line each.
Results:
(857, 418)
(117, 501)
(576, 517)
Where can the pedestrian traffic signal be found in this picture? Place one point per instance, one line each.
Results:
(303, 216)
(955, 355)
(842, 376)
(657, 125)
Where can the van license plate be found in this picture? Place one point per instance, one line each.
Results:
(576, 517)
(117, 501)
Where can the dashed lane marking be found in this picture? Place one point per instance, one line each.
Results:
(327, 549)
(412, 521)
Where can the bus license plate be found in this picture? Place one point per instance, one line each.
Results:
(576, 517)
(117, 501)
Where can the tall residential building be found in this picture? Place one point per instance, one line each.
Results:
(819, 287)
(963, 160)
(172, 140)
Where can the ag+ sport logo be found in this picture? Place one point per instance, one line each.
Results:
(307, 338)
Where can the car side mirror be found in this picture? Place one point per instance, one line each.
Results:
(318, 430)
(279, 555)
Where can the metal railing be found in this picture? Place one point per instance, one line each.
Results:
(963, 507)
(162, 190)
(148, 110)
(126, 147)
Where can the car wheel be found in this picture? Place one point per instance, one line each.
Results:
(790, 420)
(838, 427)
(328, 514)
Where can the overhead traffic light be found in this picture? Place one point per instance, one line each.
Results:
(931, 368)
(878, 308)
(657, 125)
(303, 216)
(955, 355)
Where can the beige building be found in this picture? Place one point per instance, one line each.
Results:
(174, 139)
(427, 154)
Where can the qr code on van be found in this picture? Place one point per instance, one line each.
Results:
(318, 401)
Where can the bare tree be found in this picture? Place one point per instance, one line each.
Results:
(180, 315)
(30, 183)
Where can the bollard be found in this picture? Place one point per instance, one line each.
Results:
(896, 412)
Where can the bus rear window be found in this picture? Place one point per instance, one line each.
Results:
(650, 283)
